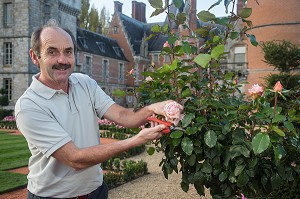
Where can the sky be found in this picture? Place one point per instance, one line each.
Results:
(218, 10)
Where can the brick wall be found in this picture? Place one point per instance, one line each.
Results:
(272, 20)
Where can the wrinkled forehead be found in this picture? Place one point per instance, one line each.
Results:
(55, 37)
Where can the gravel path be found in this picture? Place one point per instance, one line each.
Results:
(154, 185)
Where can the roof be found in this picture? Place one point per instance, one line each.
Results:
(99, 44)
(137, 31)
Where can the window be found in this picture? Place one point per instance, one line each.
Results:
(7, 53)
(8, 14)
(101, 46)
(8, 87)
(155, 58)
(121, 70)
(116, 29)
(239, 59)
(87, 65)
(117, 51)
(105, 68)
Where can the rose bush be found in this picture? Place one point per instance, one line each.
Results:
(230, 143)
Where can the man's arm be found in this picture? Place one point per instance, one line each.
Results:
(78, 158)
(129, 118)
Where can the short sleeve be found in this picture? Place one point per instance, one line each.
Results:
(39, 128)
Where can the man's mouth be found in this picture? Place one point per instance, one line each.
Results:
(61, 67)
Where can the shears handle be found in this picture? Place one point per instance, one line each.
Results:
(167, 124)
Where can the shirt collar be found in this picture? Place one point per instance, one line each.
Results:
(44, 91)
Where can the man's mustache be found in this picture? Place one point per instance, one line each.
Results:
(61, 66)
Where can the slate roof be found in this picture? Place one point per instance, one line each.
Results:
(136, 30)
(98, 44)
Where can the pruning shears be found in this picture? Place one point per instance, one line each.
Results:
(169, 125)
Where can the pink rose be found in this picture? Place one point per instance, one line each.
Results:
(166, 44)
(172, 112)
(131, 72)
(255, 91)
(278, 87)
(243, 197)
(149, 79)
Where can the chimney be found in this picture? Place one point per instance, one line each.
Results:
(139, 11)
(118, 6)
(193, 16)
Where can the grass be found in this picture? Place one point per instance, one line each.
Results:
(11, 181)
(14, 153)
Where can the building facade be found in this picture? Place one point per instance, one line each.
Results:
(272, 20)
(18, 18)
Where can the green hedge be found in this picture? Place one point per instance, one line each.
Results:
(128, 171)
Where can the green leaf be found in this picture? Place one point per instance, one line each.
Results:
(150, 150)
(210, 138)
(206, 167)
(156, 3)
(191, 130)
(245, 12)
(206, 16)
(178, 3)
(234, 35)
(223, 176)
(199, 188)
(187, 145)
(260, 143)
(278, 118)
(239, 169)
(192, 160)
(118, 93)
(186, 48)
(180, 18)
(278, 131)
(176, 142)
(157, 12)
(155, 28)
(184, 186)
(187, 119)
(242, 180)
(279, 152)
(252, 39)
(289, 126)
(176, 134)
(217, 51)
(202, 60)
(186, 93)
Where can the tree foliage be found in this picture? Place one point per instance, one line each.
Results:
(283, 55)
(90, 19)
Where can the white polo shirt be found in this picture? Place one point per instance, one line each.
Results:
(49, 119)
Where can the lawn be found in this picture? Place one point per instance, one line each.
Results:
(14, 153)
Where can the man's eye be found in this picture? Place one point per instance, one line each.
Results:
(51, 52)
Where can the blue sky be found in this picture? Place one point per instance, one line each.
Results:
(201, 5)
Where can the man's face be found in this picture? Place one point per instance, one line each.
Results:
(57, 58)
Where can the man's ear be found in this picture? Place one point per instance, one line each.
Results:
(34, 57)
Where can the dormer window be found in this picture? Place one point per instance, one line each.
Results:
(116, 29)
(101, 46)
(117, 51)
(83, 42)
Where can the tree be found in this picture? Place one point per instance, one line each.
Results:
(104, 21)
(93, 20)
(84, 15)
(283, 55)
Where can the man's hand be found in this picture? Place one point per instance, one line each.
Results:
(158, 108)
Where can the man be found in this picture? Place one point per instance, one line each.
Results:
(58, 117)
